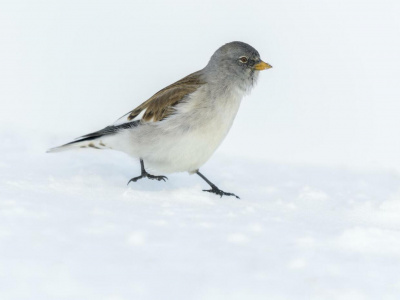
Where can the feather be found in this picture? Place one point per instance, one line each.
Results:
(161, 105)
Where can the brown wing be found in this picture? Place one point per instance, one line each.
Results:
(161, 104)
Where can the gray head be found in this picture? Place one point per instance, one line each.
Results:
(237, 63)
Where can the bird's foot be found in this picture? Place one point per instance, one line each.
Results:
(217, 191)
(159, 178)
(149, 176)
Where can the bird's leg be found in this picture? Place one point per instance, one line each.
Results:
(214, 188)
(145, 174)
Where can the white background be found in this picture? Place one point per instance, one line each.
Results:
(313, 154)
(332, 98)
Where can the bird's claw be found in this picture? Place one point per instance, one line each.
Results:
(134, 179)
(149, 176)
(221, 193)
(159, 178)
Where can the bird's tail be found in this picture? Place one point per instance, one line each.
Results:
(95, 140)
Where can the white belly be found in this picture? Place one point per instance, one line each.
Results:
(185, 141)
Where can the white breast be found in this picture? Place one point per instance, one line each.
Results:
(186, 140)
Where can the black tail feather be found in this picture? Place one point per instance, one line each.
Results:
(109, 130)
(105, 131)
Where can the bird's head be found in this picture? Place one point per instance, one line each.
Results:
(237, 61)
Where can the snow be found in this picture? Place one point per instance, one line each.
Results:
(313, 153)
(71, 229)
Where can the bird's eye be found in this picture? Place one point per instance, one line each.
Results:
(243, 59)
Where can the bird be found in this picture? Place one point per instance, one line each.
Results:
(180, 127)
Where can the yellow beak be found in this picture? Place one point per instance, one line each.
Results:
(262, 66)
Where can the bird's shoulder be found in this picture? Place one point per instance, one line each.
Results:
(161, 104)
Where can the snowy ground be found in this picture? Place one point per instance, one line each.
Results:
(70, 228)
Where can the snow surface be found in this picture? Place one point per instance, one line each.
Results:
(313, 153)
(70, 228)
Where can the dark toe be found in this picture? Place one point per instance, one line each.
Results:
(220, 193)
(134, 179)
(159, 178)
(231, 194)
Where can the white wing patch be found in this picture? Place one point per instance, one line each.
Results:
(124, 118)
